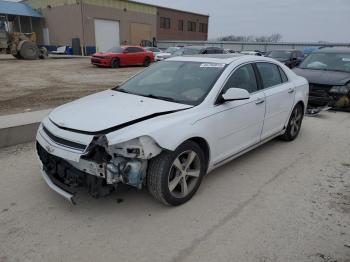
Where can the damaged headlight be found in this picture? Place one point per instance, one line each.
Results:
(341, 90)
(143, 147)
(129, 160)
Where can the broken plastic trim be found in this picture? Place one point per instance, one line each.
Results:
(60, 191)
(117, 127)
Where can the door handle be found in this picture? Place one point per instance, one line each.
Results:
(291, 90)
(259, 101)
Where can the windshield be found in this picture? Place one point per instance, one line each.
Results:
(115, 50)
(327, 61)
(280, 54)
(171, 50)
(175, 81)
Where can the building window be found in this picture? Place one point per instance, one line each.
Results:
(203, 28)
(165, 22)
(191, 26)
(181, 25)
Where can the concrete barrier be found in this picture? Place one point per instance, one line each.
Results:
(20, 128)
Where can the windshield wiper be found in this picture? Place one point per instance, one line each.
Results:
(123, 91)
(161, 97)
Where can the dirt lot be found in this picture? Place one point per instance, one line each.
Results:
(41, 84)
(281, 202)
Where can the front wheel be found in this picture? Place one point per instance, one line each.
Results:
(146, 62)
(174, 177)
(115, 63)
(294, 123)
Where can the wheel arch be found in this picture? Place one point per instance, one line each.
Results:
(203, 144)
(300, 102)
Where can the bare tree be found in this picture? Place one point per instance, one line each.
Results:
(274, 38)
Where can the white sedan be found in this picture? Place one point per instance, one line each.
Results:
(169, 125)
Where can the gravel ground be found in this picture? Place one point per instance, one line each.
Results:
(280, 202)
(42, 84)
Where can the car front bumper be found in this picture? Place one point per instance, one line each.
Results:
(100, 62)
(321, 96)
(50, 182)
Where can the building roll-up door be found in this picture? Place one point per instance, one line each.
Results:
(106, 34)
(140, 32)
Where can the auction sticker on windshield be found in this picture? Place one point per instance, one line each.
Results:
(216, 65)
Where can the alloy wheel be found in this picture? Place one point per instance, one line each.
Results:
(295, 121)
(184, 174)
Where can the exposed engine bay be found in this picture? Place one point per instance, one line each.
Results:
(101, 167)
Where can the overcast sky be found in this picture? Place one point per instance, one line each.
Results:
(295, 20)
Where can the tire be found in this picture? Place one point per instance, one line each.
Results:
(43, 53)
(147, 62)
(29, 51)
(115, 63)
(294, 124)
(167, 183)
(18, 56)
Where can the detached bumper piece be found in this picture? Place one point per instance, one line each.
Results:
(63, 178)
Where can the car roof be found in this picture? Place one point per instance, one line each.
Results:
(126, 46)
(287, 50)
(200, 47)
(212, 58)
(333, 50)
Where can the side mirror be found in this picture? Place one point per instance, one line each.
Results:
(125, 51)
(235, 94)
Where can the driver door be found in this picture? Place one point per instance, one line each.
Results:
(237, 125)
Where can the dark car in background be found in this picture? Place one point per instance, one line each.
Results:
(196, 50)
(290, 58)
(328, 73)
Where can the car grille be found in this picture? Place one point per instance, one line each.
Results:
(319, 90)
(64, 142)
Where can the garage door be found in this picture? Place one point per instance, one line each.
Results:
(140, 32)
(106, 34)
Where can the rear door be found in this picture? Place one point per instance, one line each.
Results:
(279, 95)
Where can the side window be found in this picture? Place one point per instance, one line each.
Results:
(243, 77)
(134, 50)
(283, 75)
(270, 74)
(130, 50)
(210, 51)
(219, 51)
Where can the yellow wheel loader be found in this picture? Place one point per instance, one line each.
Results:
(20, 45)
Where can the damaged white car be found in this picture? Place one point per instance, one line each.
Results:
(169, 125)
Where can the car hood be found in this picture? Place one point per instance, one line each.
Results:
(102, 111)
(323, 77)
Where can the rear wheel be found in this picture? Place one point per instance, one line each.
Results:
(29, 51)
(294, 124)
(18, 56)
(147, 62)
(174, 177)
(43, 53)
(115, 63)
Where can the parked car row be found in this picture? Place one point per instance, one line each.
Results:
(326, 69)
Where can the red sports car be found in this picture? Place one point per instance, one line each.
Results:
(123, 56)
